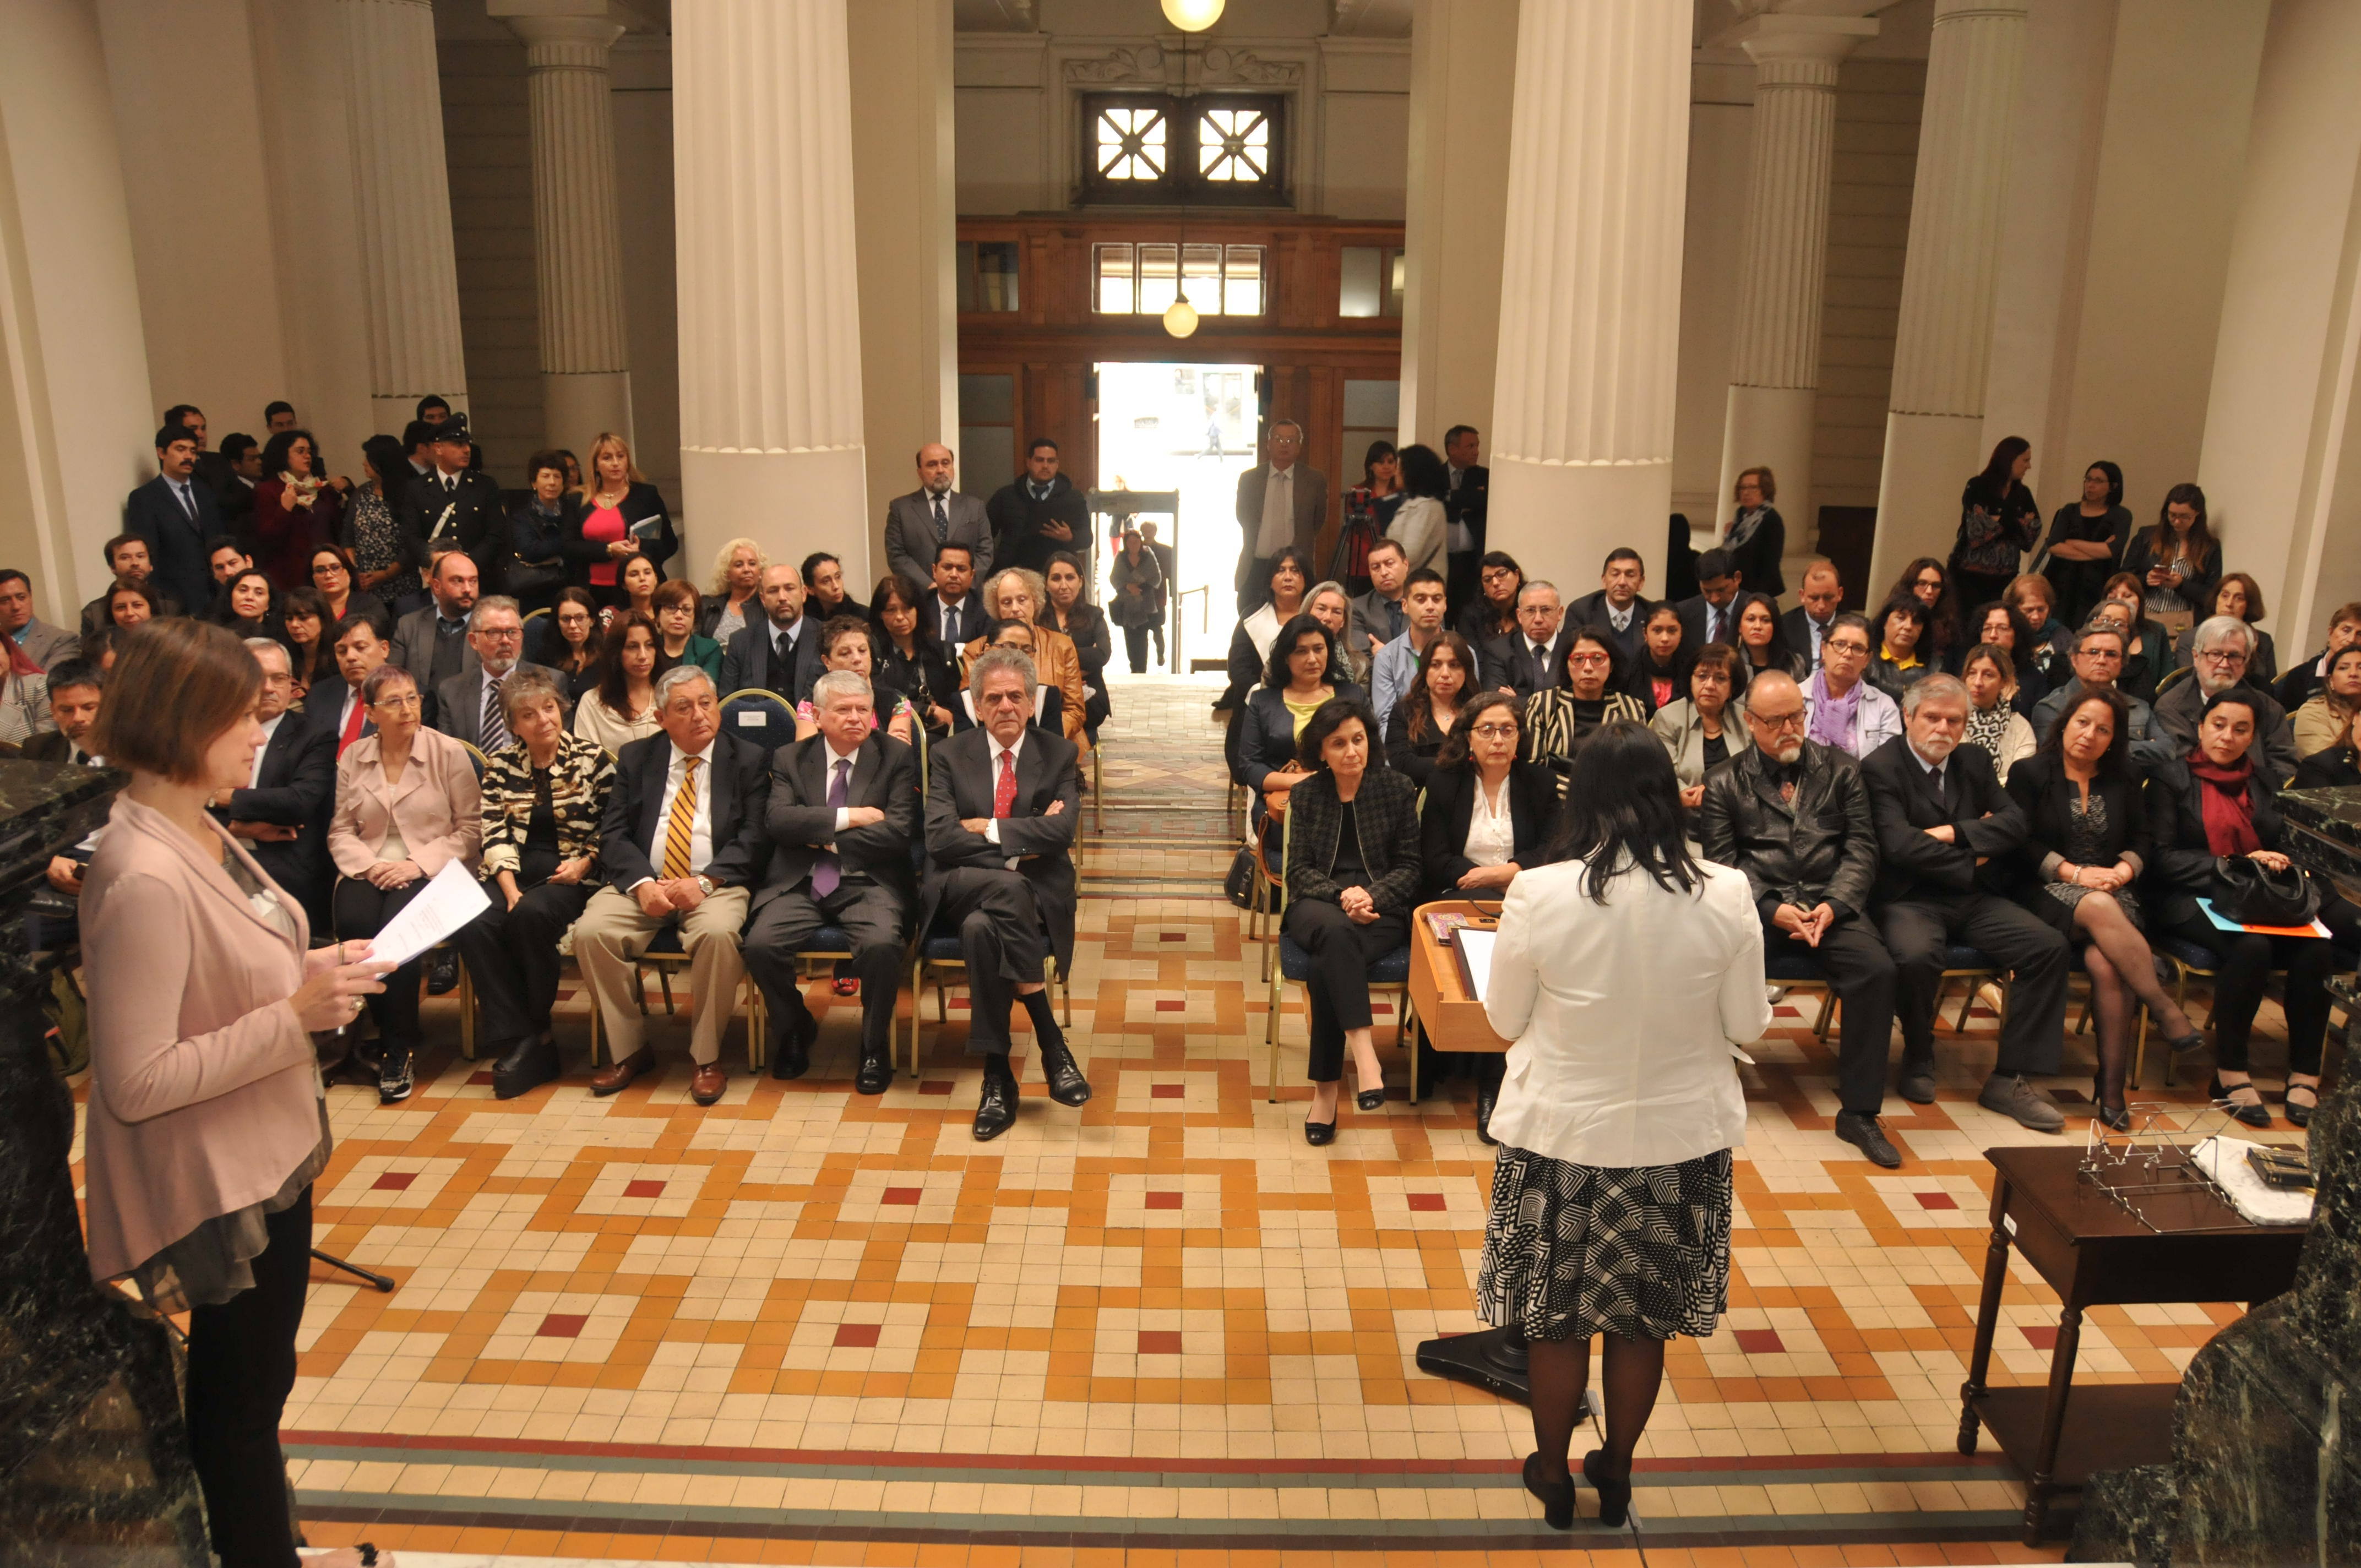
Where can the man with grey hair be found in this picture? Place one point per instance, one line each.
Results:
(837, 831)
(467, 706)
(2097, 658)
(1002, 805)
(2223, 648)
(1280, 502)
(1946, 832)
(680, 844)
(1527, 659)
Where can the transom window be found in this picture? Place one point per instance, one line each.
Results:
(1152, 148)
(1131, 278)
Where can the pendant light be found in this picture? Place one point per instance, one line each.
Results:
(1193, 15)
(1181, 317)
(1190, 16)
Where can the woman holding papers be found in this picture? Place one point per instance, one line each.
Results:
(1625, 971)
(207, 1122)
(407, 805)
(2216, 803)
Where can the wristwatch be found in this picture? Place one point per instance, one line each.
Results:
(705, 884)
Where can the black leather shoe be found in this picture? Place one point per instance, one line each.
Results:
(1863, 1134)
(393, 1078)
(995, 1113)
(2251, 1115)
(1319, 1135)
(791, 1041)
(1369, 1100)
(1917, 1085)
(1556, 1497)
(1066, 1084)
(1614, 1497)
(441, 973)
(529, 1064)
(1487, 1097)
(876, 1075)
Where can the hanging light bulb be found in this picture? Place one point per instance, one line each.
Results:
(1181, 317)
(1193, 15)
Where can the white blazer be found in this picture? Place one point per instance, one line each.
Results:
(1623, 1015)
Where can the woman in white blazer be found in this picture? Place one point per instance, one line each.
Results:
(1625, 971)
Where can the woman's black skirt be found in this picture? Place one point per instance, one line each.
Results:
(1574, 1249)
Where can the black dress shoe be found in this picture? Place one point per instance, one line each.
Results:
(1369, 1100)
(1066, 1084)
(1319, 1135)
(876, 1075)
(529, 1064)
(995, 1113)
(1488, 1098)
(791, 1036)
(1917, 1085)
(1614, 1497)
(1556, 1497)
(441, 973)
(1863, 1134)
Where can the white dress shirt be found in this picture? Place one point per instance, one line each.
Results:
(946, 612)
(1016, 755)
(187, 497)
(1278, 530)
(270, 729)
(700, 826)
(1491, 834)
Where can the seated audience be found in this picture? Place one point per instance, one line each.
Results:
(39, 640)
(1762, 640)
(1793, 816)
(340, 707)
(1018, 593)
(677, 639)
(1376, 618)
(282, 811)
(468, 707)
(1002, 806)
(1589, 693)
(1989, 672)
(621, 708)
(2033, 599)
(1528, 659)
(1352, 876)
(571, 647)
(128, 557)
(243, 605)
(842, 816)
(430, 641)
(1296, 684)
(1902, 626)
(1049, 702)
(1395, 665)
(1945, 828)
(2216, 802)
(1429, 711)
(407, 805)
(129, 604)
(847, 644)
(1845, 711)
(824, 588)
(680, 846)
(1491, 615)
(2337, 766)
(226, 558)
(907, 655)
(333, 576)
(2096, 660)
(1806, 624)
(2223, 647)
(297, 508)
(311, 653)
(1082, 624)
(1700, 730)
(2147, 647)
(2240, 598)
(1659, 675)
(774, 652)
(2326, 718)
(24, 696)
(75, 690)
(734, 601)
(2299, 684)
(1998, 624)
(1712, 614)
(1929, 581)
(544, 805)
(636, 583)
(1331, 607)
(2085, 846)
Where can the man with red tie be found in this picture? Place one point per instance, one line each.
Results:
(1002, 803)
(360, 644)
(843, 811)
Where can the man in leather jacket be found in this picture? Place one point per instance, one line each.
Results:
(1794, 818)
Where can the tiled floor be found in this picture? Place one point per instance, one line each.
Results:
(809, 1326)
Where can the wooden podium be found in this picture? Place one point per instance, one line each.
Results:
(1453, 1019)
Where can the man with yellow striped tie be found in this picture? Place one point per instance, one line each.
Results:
(680, 844)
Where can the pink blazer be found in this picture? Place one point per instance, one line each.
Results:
(438, 804)
(203, 1092)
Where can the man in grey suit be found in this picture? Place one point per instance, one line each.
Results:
(935, 514)
(431, 641)
(467, 706)
(1280, 502)
(47, 646)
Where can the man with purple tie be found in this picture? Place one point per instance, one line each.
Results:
(843, 812)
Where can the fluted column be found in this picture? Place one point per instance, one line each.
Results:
(770, 319)
(1942, 345)
(1775, 372)
(1582, 411)
(403, 194)
(586, 366)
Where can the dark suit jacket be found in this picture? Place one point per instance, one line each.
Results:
(970, 619)
(910, 534)
(630, 839)
(470, 514)
(48, 746)
(2042, 791)
(1507, 662)
(1591, 610)
(325, 703)
(1798, 627)
(798, 823)
(959, 785)
(1757, 560)
(296, 788)
(1693, 613)
(746, 662)
(1469, 501)
(1825, 849)
(1017, 520)
(415, 641)
(176, 545)
(1311, 497)
(459, 710)
(1921, 869)
(1451, 805)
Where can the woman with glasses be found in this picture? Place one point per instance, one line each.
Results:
(573, 649)
(1589, 693)
(1492, 613)
(2148, 646)
(1843, 709)
(1701, 731)
(1927, 581)
(296, 508)
(333, 577)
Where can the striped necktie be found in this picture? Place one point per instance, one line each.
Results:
(679, 826)
(494, 729)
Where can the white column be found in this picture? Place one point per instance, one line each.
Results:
(1590, 279)
(770, 316)
(403, 192)
(1942, 345)
(585, 375)
(1774, 371)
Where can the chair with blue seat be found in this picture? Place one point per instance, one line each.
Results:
(667, 958)
(760, 717)
(1388, 975)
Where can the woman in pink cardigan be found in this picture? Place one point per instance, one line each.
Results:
(207, 1123)
(407, 805)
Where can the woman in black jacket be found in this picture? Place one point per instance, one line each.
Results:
(1999, 521)
(1757, 536)
(2214, 803)
(618, 511)
(543, 535)
(2336, 767)
(1427, 715)
(1659, 675)
(909, 656)
(2087, 846)
(1352, 877)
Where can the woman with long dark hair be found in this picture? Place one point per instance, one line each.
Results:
(621, 708)
(1086, 625)
(1999, 521)
(303, 627)
(1659, 675)
(243, 604)
(908, 654)
(1419, 525)
(572, 647)
(336, 580)
(1369, 506)
(1492, 613)
(1762, 642)
(371, 531)
(1625, 972)
(2086, 542)
(2177, 562)
(1428, 713)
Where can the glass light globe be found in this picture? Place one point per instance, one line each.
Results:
(1193, 15)
(1180, 318)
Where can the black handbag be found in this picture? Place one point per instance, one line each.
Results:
(1238, 887)
(2252, 893)
(525, 576)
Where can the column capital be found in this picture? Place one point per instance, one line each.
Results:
(579, 38)
(1803, 50)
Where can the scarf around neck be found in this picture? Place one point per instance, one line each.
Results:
(2229, 809)
(1834, 718)
(1741, 527)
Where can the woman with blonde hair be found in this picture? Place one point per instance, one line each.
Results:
(737, 583)
(617, 508)
(1016, 593)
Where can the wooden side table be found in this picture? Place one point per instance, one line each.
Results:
(2093, 1252)
(1454, 1020)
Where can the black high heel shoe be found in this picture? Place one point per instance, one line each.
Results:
(1614, 1497)
(1370, 1099)
(1556, 1497)
(2252, 1115)
(2113, 1114)
(1319, 1135)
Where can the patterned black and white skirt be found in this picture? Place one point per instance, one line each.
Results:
(1571, 1249)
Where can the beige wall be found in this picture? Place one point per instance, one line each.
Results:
(1721, 119)
(639, 68)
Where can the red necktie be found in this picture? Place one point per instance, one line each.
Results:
(1004, 793)
(352, 722)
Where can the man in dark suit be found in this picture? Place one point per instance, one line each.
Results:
(1944, 827)
(212, 467)
(954, 610)
(1280, 502)
(1617, 606)
(358, 643)
(75, 690)
(781, 652)
(680, 844)
(1712, 614)
(1038, 513)
(934, 514)
(1002, 809)
(1530, 659)
(130, 558)
(283, 812)
(1464, 509)
(1794, 818)
(177, 515)
(467, 704)
(456, 506)
(431, 641)
(842, 814)
(1822, 595)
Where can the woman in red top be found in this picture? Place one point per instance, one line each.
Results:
(296, 509)
(618, 508)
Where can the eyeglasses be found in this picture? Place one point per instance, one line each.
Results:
(1856, 650)
(397, 700)
(2101, 655)
(1589, 659)
(2221, 656)
(1494, 733)
(1778, 721)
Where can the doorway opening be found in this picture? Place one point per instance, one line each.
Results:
(1189, 428)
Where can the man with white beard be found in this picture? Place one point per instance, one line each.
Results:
(1794, 818)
